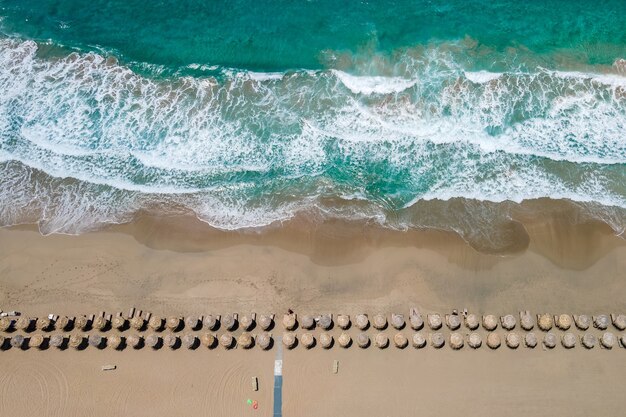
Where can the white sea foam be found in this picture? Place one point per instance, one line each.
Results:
(361, 84)
(481, 77)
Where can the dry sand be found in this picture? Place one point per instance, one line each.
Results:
(166, 268)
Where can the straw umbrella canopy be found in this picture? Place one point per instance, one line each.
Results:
(5, 324)
(289, 340)
(608, 340)
(155, 323)
(397, 321)
(170, 340)
(456, 341)
(325, 321)
(100, 323)
(134, 341)
(549, 340)
(189, 341)
(114, 341)
(192, 322)
(119, 322)
(43, 324)
(437, 340)
(76, 341)
(81, 322)
(343, 321)
(544, 321)
(513, 340)
(95, 340)
(493, 340)
(246, 322)
(57, 340)
(526, 320)
(418, 340)
(62, 323)
(173, 323)
(530, 340)
(588, 340)
(152, 341)
(508, 322)
(381, 340)
(326, 340)
(137, 322)
(17, 341)
(400, 340)
(416, 320)
(264, 340)
(434, 321)
(601, 322)
(266, 321)
(568, 340)
(490, 322)
(363, 340)
(344, 340)
(2, 340)
(23, 323)
(471, 321)
(36, 341)
(245, 340)
(227, 340)
(474, 340)
(619, 321)
(379, 322)
(307, 322)
(623, 340)
(582, 322)
(208, 340)
(362, 321)
(564, 321)
(289, 321)
(307, 339)
(211, 322)
(453, 321)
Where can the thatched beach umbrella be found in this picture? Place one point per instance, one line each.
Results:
(36, 341)
(326, 340)
(397, 321)
(381, 340)
(437, 340)
(189, 341)
(245, 340)
(289, 340)
(453, 321)
(208, 340)
(170, 340)
(362, 322)
(246, 321)
(619, 321)
(601, 322)
(400, 340)
(582, 322)
(76, 341)
(114, 341)
(526, 320)
(434, 321)
(343, 321)
(192, 322)
(100, 323)
(493, 340)
(508, 322)
(134, 341)
(379, 322)
(416, 320)
(490, 322)
(119, 322)
(471, 321)
(264, 340)
(549, 340)
(563, 321)
(307, 322)
(5, 324)
(363, 340)
(474, 340)
(23, 323)
(173, 323)
(156, 323)
(456, 340)
(608, 340)
(137, 323)
(227, 340)
(211, 322)
(568, 340)
(57, 340)
(344, 340)
(62, 323)
(623, 340)
(289, 321)
(308, 341)
(588, 340)
(43, 324)
(530, 340)
(325, 321)
(544, 321)
(2, 341)
(265, 321)
(418, 341)
(81, 323)
(152, 341)
(17, 341)
(513, 340)
(95, 340)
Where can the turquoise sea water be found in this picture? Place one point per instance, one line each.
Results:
(250, 112)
